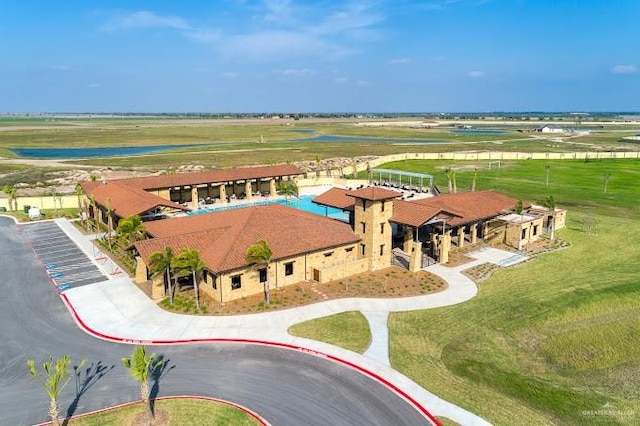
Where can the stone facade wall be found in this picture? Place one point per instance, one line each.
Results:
(371, 224)
(334, 263)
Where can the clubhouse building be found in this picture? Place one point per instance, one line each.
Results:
(305, 246)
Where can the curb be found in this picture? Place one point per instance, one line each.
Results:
(81, 324)
(329, 357)
(250, 413)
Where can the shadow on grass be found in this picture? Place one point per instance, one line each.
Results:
(159, 372)
(85, 379)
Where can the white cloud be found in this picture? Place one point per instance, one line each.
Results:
(363, 83)
(399, 61)
(279, 44)
(294, 72)
(624, 69)
(356, 16)
(146, 19)
(475, 74)
(230, 74)
(341, 80)
(94, 85)
(279, 12)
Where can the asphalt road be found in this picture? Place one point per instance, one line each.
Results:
(285, 387)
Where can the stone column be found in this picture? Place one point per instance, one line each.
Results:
(408, 240)
(223, 193)
(272, 188)
(445, 246)
(248, 191)
(461, 236)
(415, 257)
(194, 197)
(474, 232)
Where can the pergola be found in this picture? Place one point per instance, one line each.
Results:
(402, 177)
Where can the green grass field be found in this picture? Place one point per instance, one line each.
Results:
(575, 184)
(554, 340)
(235, 138)
(348, 330)
(181, 412)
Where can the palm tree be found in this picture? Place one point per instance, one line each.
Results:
(189, 260)
(519, 209)
(141, 366)
(109, 222)
(54, 195)
(130, 230)
(81, 205)
(55, 378)
(259, 254)
(547, 169)
(288, 189)
(607, 177)
(12, 193)
(160, 263)
(450, 178)
(550, 203)
(473, 182)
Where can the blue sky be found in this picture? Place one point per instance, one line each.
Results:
(305, 56)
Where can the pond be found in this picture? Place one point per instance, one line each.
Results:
(114, 151)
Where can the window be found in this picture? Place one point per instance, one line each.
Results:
(263, 275)
(236, 282)
(524, 234)
(381, 249)
(382, 228)
(288, 269)
(535, 230)
(364, 205)
(329, 254)
(349, 249)
(363, 249)
(382, 206)
(364, 227)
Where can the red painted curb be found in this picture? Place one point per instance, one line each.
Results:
(349, 364)
(255, 416)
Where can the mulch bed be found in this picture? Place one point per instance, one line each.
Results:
(386, 283)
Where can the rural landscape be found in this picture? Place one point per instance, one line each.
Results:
(312, 213)
(547, 341)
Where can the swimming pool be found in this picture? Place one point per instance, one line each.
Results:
(304, 203)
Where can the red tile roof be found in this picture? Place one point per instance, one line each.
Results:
(129, 196)
(213, 176)
(223, 237)
(410, 213)
(125, 200)
(470, 206)
(374, 193)
(336, 197)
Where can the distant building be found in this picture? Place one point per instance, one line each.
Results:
(550, 128)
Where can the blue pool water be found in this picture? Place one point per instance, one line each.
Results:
(114, 151)
(479, 132)
(303, 203)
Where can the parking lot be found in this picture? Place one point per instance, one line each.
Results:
(66, 264)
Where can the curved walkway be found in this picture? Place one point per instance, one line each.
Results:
(117, 310)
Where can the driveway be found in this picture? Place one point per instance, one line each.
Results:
(285, 387)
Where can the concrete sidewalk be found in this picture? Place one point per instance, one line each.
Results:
(116, 309)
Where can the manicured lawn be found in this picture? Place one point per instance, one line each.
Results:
(542, 342)
(551, 341)
(575, 184)
(348, 330)
(180, 412)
